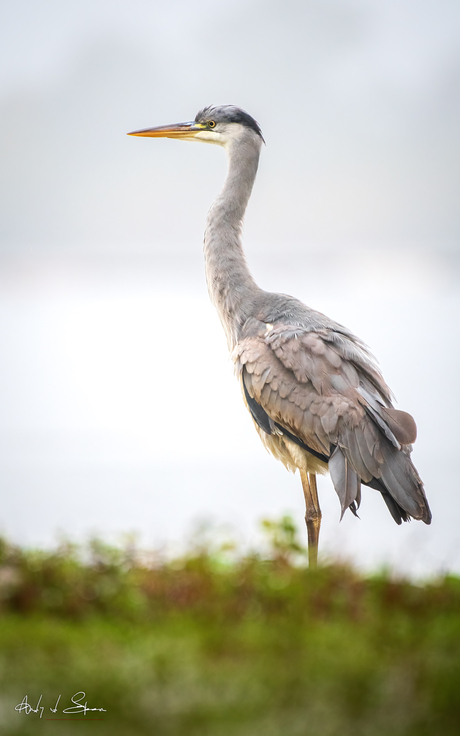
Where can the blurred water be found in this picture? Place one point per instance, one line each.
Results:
(119, 411)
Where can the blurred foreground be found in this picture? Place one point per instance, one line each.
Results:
(219, 643)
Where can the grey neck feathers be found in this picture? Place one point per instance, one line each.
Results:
(231, 286)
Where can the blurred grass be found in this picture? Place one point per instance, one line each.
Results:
(215, 642)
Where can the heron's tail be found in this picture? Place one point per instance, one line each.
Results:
(394, 476)
(402, 486)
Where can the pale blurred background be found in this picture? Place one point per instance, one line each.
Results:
(119, 411)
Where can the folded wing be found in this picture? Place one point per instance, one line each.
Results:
(322, 390)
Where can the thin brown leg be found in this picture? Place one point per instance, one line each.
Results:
(312, 515)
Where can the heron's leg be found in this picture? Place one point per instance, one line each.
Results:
(312, 515)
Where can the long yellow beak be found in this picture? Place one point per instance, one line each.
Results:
(179, 130)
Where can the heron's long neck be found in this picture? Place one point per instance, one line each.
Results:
(231, 286)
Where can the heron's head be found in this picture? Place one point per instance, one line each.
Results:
(221, 125)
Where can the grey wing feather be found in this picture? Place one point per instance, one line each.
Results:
(369, 460)
(345, 479)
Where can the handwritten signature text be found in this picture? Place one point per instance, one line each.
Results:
(78, 706)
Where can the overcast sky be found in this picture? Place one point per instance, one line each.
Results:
(109, 342)
(358, 100)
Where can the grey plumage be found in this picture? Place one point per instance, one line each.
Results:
(316, 395)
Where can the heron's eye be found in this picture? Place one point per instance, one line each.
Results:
(212, 124)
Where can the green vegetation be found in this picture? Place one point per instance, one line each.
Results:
(221, 644)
